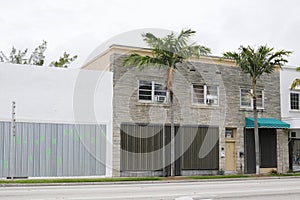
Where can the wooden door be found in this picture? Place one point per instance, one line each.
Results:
(230, 156)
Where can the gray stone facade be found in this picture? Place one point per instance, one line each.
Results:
(228, 113)
(282, 151)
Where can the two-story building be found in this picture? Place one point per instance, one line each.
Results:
(213, 117)
(290, 109)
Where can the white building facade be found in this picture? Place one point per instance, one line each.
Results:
(63, 121)
(290, 113)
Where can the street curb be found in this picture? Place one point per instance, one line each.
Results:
(145, 182)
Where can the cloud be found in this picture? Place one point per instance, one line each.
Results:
(221, 25)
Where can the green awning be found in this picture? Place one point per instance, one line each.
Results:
(266, 123)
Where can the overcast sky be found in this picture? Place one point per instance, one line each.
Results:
(80, 26)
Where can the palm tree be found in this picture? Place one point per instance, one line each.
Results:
(257, 62)
(167, 52)
(296, 82)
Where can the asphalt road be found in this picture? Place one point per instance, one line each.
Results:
(237, 189)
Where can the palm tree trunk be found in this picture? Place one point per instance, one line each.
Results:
(169, 89)
(256, 135)
(172, 135)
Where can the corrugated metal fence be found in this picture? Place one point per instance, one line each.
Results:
(47, 150)
(202, 147)
(145, 147)
(141, 147)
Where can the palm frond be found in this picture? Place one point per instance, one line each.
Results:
(152, 40)
(277, 57)
(232, 56)
(167, 51)
(258, 62)
(3, 57)
(141, 61)
(295, 83)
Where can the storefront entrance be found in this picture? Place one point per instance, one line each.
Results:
(294, 152)
(267, 143)
(268, 149)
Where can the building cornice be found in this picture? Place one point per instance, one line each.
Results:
(126, 50)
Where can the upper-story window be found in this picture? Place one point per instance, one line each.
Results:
(246, 99)
(204, 94)
(150, 91)
(294, 101)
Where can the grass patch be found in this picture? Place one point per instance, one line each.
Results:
(95, 180)
(289, 174)
(220, 176)
(241, 176)
(79, 180)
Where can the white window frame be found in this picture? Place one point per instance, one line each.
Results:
(251, 103)
(205, 95)
(290, 107)
(153, 96)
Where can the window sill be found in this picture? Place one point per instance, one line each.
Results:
(295, 111)
(203, 106)
(150, 103)
(251, 109)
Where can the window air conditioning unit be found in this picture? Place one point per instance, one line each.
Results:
(160, 98)
(209, 101)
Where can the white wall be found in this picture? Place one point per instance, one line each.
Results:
(57, 95)
(287, 76)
